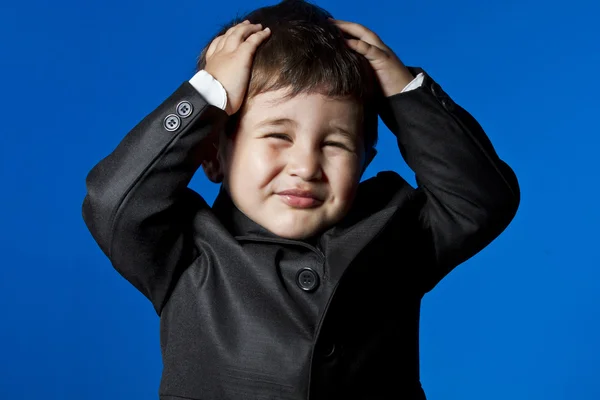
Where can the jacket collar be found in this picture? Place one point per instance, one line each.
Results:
(235, 221)
(340, 244)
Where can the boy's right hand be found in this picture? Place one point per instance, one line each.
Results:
(229, 60)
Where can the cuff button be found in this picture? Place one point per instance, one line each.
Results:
(436, 89)
(184, 109)
(448, 104)
(172, 122)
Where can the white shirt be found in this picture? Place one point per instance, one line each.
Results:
(214, 93)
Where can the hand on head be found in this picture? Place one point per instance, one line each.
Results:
(229, 60)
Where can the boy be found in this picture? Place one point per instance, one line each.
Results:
(299, 282)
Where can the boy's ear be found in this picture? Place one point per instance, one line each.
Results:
(369, 156)
(212, 167)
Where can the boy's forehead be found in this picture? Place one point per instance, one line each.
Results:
(271, 98)
(280, 101)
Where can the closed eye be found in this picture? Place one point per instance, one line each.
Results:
(337, 144)
(279, 136)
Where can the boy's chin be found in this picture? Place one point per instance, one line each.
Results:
(296, 232)
(300, 225)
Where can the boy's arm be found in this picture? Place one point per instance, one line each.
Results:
(138, 206)
(468, 195)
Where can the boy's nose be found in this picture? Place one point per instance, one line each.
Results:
(305, 164)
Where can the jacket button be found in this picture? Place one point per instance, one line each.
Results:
(171, 122)
(184, 109)
(307, 279)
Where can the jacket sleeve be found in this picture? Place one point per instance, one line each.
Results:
(138, 207)
(466, 195)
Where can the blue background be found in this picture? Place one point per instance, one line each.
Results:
(518, 321)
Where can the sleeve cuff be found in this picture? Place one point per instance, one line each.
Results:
(415, 83)
(210, 88)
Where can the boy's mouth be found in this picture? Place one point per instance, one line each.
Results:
(297, 198)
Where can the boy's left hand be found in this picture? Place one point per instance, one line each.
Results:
(392, 74)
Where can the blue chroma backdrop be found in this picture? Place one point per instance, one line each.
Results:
(518, 321)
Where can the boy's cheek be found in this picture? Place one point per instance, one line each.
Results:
(253, 165)
(346, 182)
(236, 155)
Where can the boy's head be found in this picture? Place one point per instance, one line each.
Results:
(291, 158)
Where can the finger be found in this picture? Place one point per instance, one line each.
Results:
(228, 32)
(254, 40)
(237, 27)
(371, 52)
(213, 46)
(234, 27)
(221, 43)
(239, 35)
(359, 32)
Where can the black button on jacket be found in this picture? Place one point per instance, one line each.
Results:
(248, 315)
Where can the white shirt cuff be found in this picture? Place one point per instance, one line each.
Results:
(415, 83)
(211, 89)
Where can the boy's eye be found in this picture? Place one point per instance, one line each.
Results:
(279, 136)
(285, 137)
(336, 144)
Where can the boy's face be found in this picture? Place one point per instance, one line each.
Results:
(294, 165)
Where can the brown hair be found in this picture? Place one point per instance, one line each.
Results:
(307, 54)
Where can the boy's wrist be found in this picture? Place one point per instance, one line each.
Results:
(210, 89)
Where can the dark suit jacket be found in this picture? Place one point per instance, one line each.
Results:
(248, 315)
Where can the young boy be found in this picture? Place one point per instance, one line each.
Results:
(299, 282)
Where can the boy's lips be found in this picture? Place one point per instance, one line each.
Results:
(297, 198)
